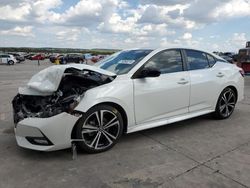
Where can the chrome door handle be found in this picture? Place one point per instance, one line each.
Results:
(220, 75)
(182, 81)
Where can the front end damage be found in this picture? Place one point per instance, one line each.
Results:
(43, 111)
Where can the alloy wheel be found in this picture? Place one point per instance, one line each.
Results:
(100, 129)
(227, 103)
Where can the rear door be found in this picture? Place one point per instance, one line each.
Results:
(164, 96)
(205, 80)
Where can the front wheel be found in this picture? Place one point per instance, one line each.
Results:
(11, 62)
(225, 104)
(99, 129)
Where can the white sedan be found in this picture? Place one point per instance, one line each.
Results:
(129, 91)
(7, 59)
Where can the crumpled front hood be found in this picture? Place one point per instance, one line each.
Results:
(47, 81)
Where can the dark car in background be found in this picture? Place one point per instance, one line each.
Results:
(227, 58)
(72, 58)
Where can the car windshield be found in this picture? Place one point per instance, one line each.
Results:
(122, 62)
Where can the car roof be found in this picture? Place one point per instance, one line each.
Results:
(180, 48)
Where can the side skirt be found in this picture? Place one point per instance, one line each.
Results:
(162, 122)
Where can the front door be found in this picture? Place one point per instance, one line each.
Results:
(164, 96)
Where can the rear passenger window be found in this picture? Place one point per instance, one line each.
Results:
(197, 60)
(211, 60)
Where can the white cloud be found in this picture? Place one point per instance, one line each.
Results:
(233, 8)
(187, 36)
(89, 12)
(153, 30)
(30, 10)
(19, 31)
(238, 39)
(123, 5)
(163, 2)
(68, 35)
(235, 42)
(72, 34)
(216, 11)
(42, 9)
(118, 25)
(15, 14)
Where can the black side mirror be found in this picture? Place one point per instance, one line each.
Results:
(149, 72)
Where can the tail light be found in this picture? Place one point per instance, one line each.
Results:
(242, 72)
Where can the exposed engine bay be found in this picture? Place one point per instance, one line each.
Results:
(71, 89)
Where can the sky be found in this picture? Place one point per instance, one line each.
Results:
(212, 25)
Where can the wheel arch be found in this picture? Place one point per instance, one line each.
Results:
(231, 86)
(115, 105)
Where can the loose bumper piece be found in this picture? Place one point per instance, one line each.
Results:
(46, 134)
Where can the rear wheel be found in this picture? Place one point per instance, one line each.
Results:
(100, 128)
(226, 104)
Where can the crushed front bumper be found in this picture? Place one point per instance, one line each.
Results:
(46, 134)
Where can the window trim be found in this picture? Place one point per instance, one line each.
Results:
(184, 65)
(215, 60)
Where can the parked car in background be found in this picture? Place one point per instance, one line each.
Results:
(7, 59)
(47, 55)
(73, 58)
(38, 57)
(227, 58)
(56, 56)
(18, 57)
(229, 54)
(97, 58)
(132, 90)
(87, 56)
(29, 56)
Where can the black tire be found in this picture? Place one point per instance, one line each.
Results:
(225, 104)
(11, 62)
(97, 136)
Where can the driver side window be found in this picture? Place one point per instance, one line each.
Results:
(168, 61)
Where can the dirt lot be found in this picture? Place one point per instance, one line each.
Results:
(200, 152)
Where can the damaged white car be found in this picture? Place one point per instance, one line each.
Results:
(129, 91)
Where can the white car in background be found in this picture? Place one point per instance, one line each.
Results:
(129, 91)
(7, 59)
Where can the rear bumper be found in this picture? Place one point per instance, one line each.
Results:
(56, 130)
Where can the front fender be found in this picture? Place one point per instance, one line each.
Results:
(110, 93)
